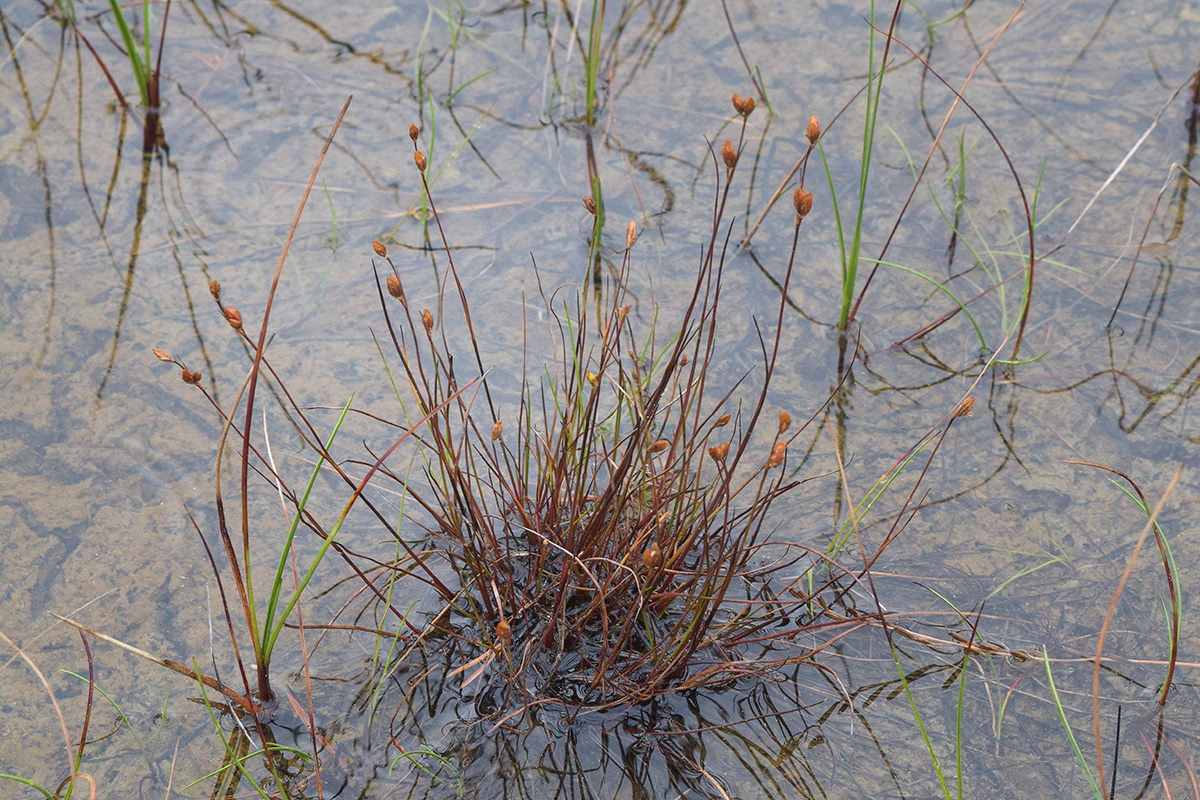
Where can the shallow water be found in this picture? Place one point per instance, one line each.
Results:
(107, 256)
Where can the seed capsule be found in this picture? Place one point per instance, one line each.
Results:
(214, 288)
(234, 317)
(718, 451)
(814, 129)
(777, 453)
(630, 234)
(737, 102)
(722, 421)
(590, 205)
(380, 250)
(394, 287)
(785, 422)
(964, 408)
(729, 155)
(497, 429)
(802, 200)
(163, 355)
(427, 321)
(747, 106)
(659, 446)
(413, 132)
(504, 632)
(652, 558)
(419, 159)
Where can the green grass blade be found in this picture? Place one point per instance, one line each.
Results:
(146, 62)
(1062, 714)
(941, 287)
(131, 49)
(468, 82)
(593, 60)
(874, 91)
(912, 703)
(277, 584)
(27, 782)
(238, 762)
(111, 702)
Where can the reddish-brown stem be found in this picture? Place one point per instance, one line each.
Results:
(264, 678)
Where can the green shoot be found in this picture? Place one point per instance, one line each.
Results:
(272, 628)
(874, 91)
(139, 64)
(29, 783)
(593, 68)
(1062, 715)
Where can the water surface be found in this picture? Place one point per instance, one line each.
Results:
(108, 254)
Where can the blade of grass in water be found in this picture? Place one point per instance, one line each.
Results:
(140, 69)
(1062, 714)
(270, 628)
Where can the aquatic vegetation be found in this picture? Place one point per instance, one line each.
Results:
(145, 74)
(596, 539)
(604, 532)
(607, 534)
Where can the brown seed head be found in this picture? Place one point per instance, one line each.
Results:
(802, 200)
(590, 205)
(234, 317)
(659, 446)
(427, 321)
(630, 234)
(380, 250)
(747, 106)
(163, 355)
(718, 451)
(652, 557)
(419, 159)
(497, 429)
(593, 379)
(504, 632)
(683, 360)
(737, 102)
(776, 457)
(413, 132)
(189, 377)
(729, 155)
(214, 288)
(814, 129)
(785, 422)
(623, 312)
(722, 421)
(394, 287)
(964, 408)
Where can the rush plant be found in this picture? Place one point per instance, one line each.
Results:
(605, 530)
